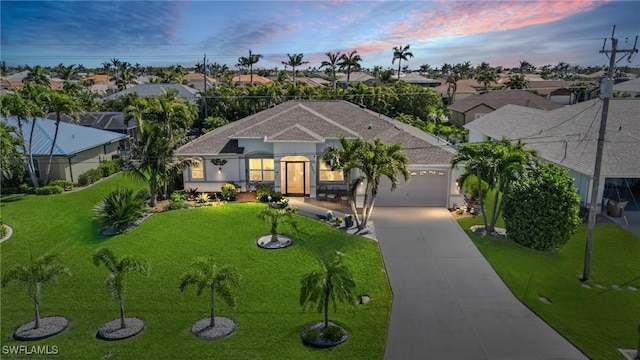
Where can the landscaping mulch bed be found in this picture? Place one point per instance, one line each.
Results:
(49, 326)
(224, 327)
(113, 331)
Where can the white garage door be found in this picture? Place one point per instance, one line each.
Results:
(426, 188)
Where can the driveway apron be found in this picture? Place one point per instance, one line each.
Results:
(448, 301)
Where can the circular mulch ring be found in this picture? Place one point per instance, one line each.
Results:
(8, 232)
(223, 327)
(49, 326)
(322, 342)
(112, 330)
(265, 242)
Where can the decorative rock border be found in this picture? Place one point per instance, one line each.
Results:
(112, 331)
(8, 234)
(265, 242)
(49, 326)
(321, 342)
(224, 327)
(500, 232)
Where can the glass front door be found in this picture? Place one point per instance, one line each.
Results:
(295, 178)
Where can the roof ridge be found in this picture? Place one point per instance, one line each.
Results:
(329, 120)
(298, 126)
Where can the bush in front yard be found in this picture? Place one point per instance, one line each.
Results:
(229, 192)
(49, 190)
(541, 210)
(108, 168)
(67, 185)
(120, 208)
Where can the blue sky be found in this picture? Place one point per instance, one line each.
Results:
(440, 31)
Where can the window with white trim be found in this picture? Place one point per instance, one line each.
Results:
(261, 170)
(197, 170)
(326, 174)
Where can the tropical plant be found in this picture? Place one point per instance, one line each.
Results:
(332, 283)
(206, 275)
(45, 269)
(120, 208)
(60, 103)
(497, 163)
(452, 81)
(486, 77)
(38, 75)
(276, 217)
(541, 208)
(118, 270)
(374, 160)
(517, 81)
(9, 149)
(350, 62)
(202, 198)
(332, 64)
(248, 62)
(401, 53)
(294, 61)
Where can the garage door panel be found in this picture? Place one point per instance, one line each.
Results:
(425, 188)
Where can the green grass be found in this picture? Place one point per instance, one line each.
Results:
(268, 314)
(596, 321)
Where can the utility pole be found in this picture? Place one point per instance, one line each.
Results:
(606, 92)
(205, 71)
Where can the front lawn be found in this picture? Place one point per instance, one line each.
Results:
(268, 314)
(597, 321)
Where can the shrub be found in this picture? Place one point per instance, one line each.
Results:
(333, 333)
(49, 190)
(229, 192)
(89, 177)
(193, 192)
(67, 185)
(312, 335)
(108, 168)
(27, 189)
(9, 190)
(120, 208)
(263, 191)
(143, 194)
(541, 210)
(176, 201)
(202, 198)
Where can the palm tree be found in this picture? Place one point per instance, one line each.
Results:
(38, 75)
(116, 66)
(401, 53)
(46, 268)
(486, 77)
(205, 274)
(332, 64)
(120, 208)
(118, 269)
(249, 61)
(425, 69)
(9, 150)
(276, 217)
(517, 81)
(349, 62)
(124, 78)
(294, 61)
(332, 283)
(452, 81)
(59, 103)
(497, 163)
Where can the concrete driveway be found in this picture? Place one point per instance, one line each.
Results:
(448, 301)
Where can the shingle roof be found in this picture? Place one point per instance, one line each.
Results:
(318, 121)
(146, 90)
(629, 85)
(257, 79)
(98, 120)
(499, 98)
(415, 78)
(568, 136)
(72, 139)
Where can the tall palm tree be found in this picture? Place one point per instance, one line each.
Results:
(125, 77)
(249, 61)
(116, 66)
(332, 64)
(206, 275)
(486, 77)
(38, 75)
(294, 61)
(118, 269)
(452, 81)
(350, 62)
(332, 283)
(517, 81)
(45, 269)
(497, 163)
(401, 53)
(60, 103)
(425, 69)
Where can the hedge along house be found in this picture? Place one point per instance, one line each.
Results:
(77, 149)
(283, 146)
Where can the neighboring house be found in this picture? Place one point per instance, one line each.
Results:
(77, 150)
(417, 79)
(283, 146)
(568, 137)
(465, 88)
(148, 90)
(560, 91)
(471, 108)
(197, 81)
(356, 77)
(631, 87)
(110, 121)
(314, 82)
(240, 80)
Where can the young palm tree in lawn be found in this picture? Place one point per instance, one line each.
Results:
(276, 217)
(497, 163)
(59, 103)
(119, 268)
(294, 61)
(332, 64)
(206, 275)
(401, 53)
(350, 62)
(38, 75)
(248, 61)
(332, 283)
(45, 269)
(120, 208)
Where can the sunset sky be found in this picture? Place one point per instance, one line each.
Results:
(181, 32)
